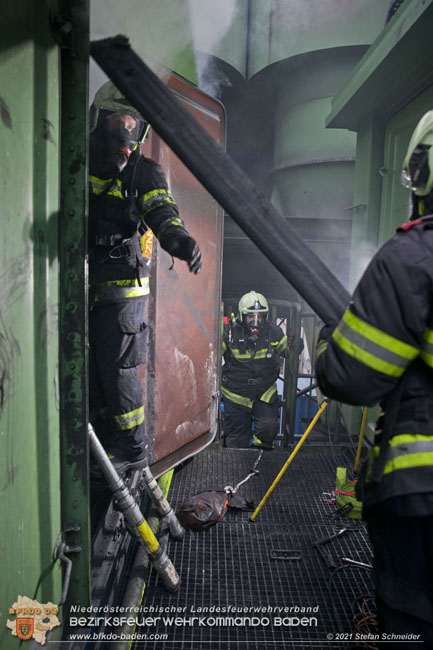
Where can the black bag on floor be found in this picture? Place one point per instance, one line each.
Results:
(203, 510)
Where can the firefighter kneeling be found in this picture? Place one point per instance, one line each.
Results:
(251, 349)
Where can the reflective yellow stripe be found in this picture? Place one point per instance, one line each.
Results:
(321, 347)
(409, 460)
(267, 395)
(237, 399)
(259, 443)
(98, 185)
(237, 354)
(121, 289)
(224, 347)
(259, 354)
(371, 333)
(155, 199)
(282, 345)
(365, 357)
(408, 438)
(427, 348)
(405, 451)
(130, 420)
(372, 347)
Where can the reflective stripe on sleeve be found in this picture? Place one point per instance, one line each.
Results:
(321, 347)
(372, 347)
(98, 185)
(282, 346)
(405, 451)
(427, 348)
(155, 199)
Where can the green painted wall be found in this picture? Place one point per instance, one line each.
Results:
(285, 29)
(381, 101)
(29, 383)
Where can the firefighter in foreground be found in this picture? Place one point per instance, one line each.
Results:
(251, 349)
(382, 351)
(128, 195)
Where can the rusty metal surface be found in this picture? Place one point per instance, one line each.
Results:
(184, 309)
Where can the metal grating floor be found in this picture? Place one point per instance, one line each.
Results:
(230, 564)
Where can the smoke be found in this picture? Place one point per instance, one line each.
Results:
(211, 78)
(364, 254)
(159, 32)
(210, 23)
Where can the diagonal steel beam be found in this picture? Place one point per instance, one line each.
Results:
(223, 179)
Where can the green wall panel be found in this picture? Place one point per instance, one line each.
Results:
(29, 385)
(312, 190)
(395, 208)
(280, 30)
(300, 136)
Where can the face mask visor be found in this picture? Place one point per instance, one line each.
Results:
(254, 320)
(127, 128)
(415, 177)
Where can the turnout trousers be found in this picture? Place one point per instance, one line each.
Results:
(117, 336)
(403, 572)
(238, 422)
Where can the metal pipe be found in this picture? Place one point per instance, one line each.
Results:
(289, 460)
(225, 181)
(133, 516)
(162, 505)
(304, 391)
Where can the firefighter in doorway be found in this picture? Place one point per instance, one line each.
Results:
(128, 194)
(252, 347)
(382, 351)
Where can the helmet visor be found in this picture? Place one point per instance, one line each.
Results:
(255, 319)
(415, 176)
(130, 126)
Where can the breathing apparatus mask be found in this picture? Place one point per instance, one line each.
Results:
(254, 322)
(415, 177)
(417, 173)
(253, 310)
(116, 130)
(117, 135)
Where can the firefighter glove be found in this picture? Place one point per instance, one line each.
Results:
(185, 248)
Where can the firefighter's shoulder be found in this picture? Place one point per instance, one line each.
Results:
(422, 221)
(149, 161)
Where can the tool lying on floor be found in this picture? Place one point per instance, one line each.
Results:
(320, 544)
(136, 523)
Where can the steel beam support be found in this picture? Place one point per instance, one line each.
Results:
(233, 190)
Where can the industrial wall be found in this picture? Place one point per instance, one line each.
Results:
(276, 67)
(29, 298)
(382, 101)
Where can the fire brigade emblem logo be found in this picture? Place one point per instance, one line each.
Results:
(25, 628)
(33, 620)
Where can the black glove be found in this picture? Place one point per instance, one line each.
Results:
(326, 332)
(185, 248)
